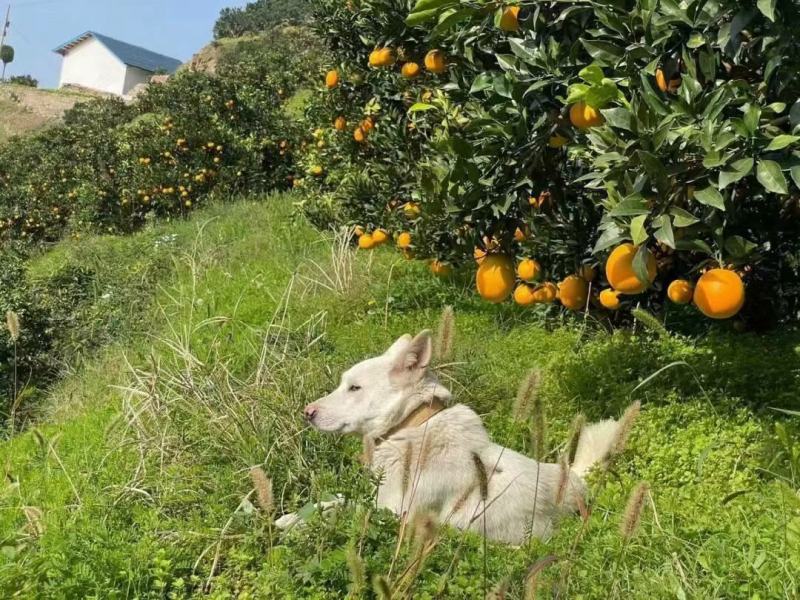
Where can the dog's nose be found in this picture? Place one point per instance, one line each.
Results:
(310, 412)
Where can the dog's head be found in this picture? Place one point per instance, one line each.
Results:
(379, 392)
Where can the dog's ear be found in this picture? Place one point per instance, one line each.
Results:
(399, 345)
(413, 361)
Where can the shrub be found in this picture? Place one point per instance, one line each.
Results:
(25, 80)
(257, 17)
(672, 126)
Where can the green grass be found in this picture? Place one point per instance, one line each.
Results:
(219, 330)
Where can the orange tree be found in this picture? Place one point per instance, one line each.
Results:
(580, 127)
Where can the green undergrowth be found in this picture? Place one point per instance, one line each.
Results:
(135, 482)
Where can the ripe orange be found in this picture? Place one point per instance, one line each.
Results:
(381, 57)
(583, 116)
(410, 70)
(680, 291)
(479, 254)
(367, 124)
(359, 135)
(380, 236)
(411, 210)
(495, 278)
(557, 141)
(672, 86)
(719, 293)
(404, 240)
(509, 19)
(331, 79)
(441, 269)
(365, 242)
(546, 293)
(435, 61)
(524, 295)
(520, 235)
(620, 273)
(573, 292)
(610, 299)
(588, 272)
(340, 124)
(529, 269)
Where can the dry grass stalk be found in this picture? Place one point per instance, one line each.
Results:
(531, 579)
(408, 452)
(499, 591)
(355, 565)
(12, 322)
(576, 431)
(367, 450)
(625, 427)
(482, 477)
(527, 393)
(563, 479)
(445, 336)
(632, 517)
(263, 488)
(381, 587)
(34, 516)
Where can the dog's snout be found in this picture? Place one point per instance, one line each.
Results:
(310, 412)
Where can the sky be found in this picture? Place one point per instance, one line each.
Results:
(177, 28)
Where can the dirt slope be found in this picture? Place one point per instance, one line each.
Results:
(25, 109)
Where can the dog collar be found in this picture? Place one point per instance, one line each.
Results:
(418, 416)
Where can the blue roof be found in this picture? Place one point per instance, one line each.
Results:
(133, 56)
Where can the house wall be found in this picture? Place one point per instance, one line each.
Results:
(133, 77)
(90, 64)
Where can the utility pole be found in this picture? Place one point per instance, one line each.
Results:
(6, 25)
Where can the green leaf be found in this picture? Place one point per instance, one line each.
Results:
(710, 197)
(610, 237)
(767, 8)
(780, 142)
(638, 230)
(422, 5)
(770, 176)
(682, 218)
(603, 51)
(592, 74)
(751, 119)
(696, 40)
(632, 205)
(576, 92)
(416, 18)
(420, 106)
(640, 263)
(618, 117)
(599, 96)
(520, 50)
(741, 168)
(664, 232)
(507, 62)
(795, 173)
(482, 82)
(738, 247)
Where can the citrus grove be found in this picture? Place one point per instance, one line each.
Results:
(605, 155)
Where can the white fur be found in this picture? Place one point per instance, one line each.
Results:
(442, 476)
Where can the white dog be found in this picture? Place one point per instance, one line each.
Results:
(438, 459)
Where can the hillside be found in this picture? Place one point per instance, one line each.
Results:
(230, 322)
(25, 109)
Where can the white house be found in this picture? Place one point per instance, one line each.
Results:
(101, 63)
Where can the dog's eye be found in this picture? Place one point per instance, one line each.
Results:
(354, 388)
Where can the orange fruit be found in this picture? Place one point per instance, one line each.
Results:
(365, 242)
(331, 79)
(367, 124)
(588, 272)
(719, 293)
(529, 269)
(620, 273)
(680, 291)
(479, 254)
(404, 240)
(359, 135)
(411, 210)
(435, 61)
(573, 292)
(509, 20)
(520, 235)
(381, 57)
(410, 70)
(610, 299)
(495, 278)
(557, 141)
(671, 86)
(441, 269)
(524, 295)
(379, 236)
(340, 124)
(583, 116)
(546, 293)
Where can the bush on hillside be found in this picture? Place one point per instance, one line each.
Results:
(260, 16)
(689, 147)
(25, 80)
